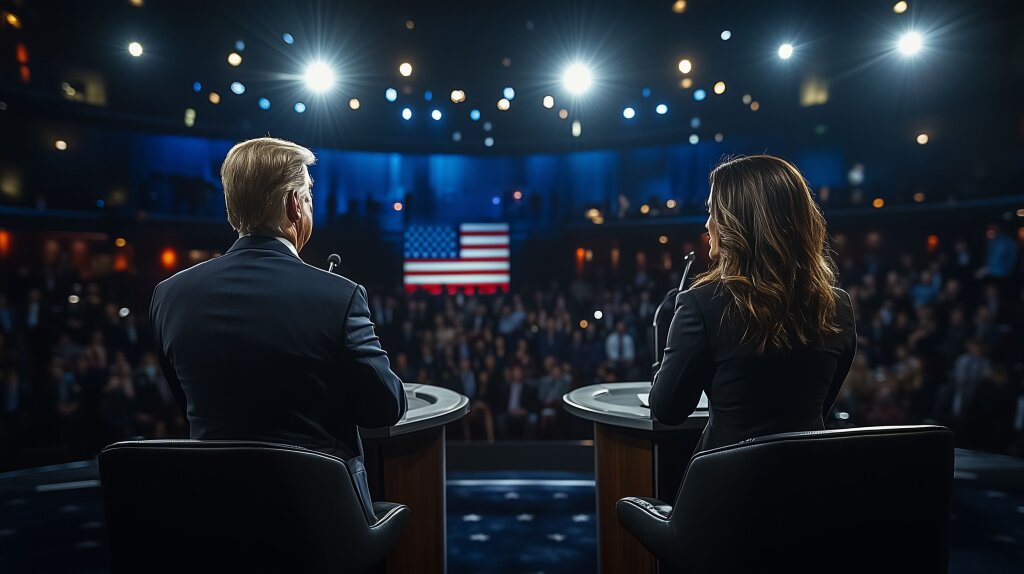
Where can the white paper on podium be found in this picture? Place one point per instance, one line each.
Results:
(645, 400)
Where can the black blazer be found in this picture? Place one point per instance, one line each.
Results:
(749, 395)
(263, 347)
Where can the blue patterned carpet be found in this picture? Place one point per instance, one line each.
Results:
(498, 522)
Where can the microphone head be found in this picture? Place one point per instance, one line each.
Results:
(334, 259)
(689, 256)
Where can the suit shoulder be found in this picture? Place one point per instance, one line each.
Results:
(328, 279)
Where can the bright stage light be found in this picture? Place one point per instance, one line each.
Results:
(319, 77)
(238, 88)
(661, 109)
(436, 115)
(234, 59)
(922, 139)
(685, 66)
(549, 102)
(458, 96)
(629, 113)
(407, 114)
(694, 139)
(720, 88)
(786, 51)
(911, 43)
(264, 103)
(288, 38)
(354, 103)
(900, 7)
(509, 93)
(726, 34)
(699, 95)
(577, 129)
(504, 104)
(474, 114)
(405, 68)
(214, 98)
(300, 107)
(61, 145)
(577, 78)
(197, 87)
(390, 94)
(135, 49)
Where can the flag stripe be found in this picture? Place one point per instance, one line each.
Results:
(456, 265)
(474, 240)
(456, 279)
(483, 227)
(480, 252)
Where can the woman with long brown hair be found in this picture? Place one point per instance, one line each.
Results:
(764, 332)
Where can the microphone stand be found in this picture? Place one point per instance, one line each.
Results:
(660, 325)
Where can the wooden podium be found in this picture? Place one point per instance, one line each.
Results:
(634, 456)
(406, 463)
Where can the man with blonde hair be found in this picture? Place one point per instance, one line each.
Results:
(258, 345)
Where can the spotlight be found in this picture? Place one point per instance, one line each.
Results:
(436, 115)
(319, 77)
(922, 138)
(405, 68)
(661, 109)
(900, 7)
(458, 96)
(300, 107)
(671, 204)
(910, 43)
(264, 103)
(719, 88)
(786, 51)
(509, 93)
(694, 139)
(238, 88)
(629, 113)
(685, 66)
(699, 95)
(354, 103)
(474, 114)
(406, 114)
(123, 312)
(288, 38)
(577, 78)
(549, 102)
(61, 145)
(577, 128)
(503, 104)
(726, 34)
(234, 59)
(135, 49)
(390, 94)
(598, 314)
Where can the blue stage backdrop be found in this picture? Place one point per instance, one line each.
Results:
(441, 188)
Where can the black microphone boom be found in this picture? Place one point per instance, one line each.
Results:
(334, 261)
(663, 314)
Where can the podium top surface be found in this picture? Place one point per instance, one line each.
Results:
(619, 404)
(429, 407)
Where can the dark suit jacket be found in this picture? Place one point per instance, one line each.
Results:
(265, 347)
(750, 395)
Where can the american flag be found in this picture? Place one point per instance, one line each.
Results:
(471, 257)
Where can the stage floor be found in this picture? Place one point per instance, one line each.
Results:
(498, 521)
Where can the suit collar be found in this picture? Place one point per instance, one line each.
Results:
(262, 242)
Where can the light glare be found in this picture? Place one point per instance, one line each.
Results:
(786, 51)
(319, 77)
(135, 49)
(911, 43)
(577, 78)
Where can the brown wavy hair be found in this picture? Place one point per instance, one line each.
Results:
(773, 256)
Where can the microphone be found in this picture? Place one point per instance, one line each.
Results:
(688, 259)
(335, 261)
(663, 314)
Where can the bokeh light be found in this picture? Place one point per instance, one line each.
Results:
(234, 59)
(922, 138)
(577, 78)
(900, 7)
(300, 108)
(354, 103)
(685, 66)
(548, 102)
(628, 113)
(135, 49)
(786, 51)
(719, 88)
(405, 68)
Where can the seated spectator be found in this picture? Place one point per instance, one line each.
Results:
(517, 404)
(550, 389)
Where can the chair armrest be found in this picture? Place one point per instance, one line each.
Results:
(384, 534)
(648, 520)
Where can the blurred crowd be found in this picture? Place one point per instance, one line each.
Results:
(939, 340)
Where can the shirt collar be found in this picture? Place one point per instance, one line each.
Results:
(288, 244)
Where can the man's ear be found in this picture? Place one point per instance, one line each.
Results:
(293, 207)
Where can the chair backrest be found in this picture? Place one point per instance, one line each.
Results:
(851, 500)
(228, 506)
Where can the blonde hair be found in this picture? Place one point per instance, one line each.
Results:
(773, 256)
(257, 175)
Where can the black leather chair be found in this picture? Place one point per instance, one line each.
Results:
(228, 506)
(851, 500)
